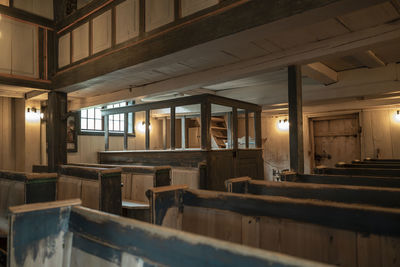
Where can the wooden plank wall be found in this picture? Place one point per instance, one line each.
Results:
(7, 153)
(379, 134)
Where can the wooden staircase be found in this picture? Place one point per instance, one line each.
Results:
(219, 132)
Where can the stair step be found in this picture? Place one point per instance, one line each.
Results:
(218, 128)
(217, 119)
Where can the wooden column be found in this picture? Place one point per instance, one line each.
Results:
(257, 129)
(295, 119)
(206, 125)
(56, 130)
(235, 128)
(164, 132)
(172, 130)
(147, 129)
(246, 122)
(183, 131)
(106, 133)
(126, 131)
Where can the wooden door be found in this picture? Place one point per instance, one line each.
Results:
(335, 139)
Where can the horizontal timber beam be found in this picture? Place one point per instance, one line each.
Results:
(320, 72)
(19, 14)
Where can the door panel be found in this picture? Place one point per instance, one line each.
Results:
(336, 139)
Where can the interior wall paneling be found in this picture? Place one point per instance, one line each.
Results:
(102, 32)
(5, 45)
(43, 8)
(80, 42)
(189, 7)
(159, 13)
(64, 50)
(127, 20)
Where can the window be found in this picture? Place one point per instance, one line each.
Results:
(116, 122)
(92, 121)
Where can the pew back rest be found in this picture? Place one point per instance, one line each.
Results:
(76, 236)
(310, 229)
(98, 188)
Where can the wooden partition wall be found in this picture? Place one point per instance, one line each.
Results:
(215, 165)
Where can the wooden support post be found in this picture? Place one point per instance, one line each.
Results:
(206, 125)
(172, 130)
(235, 128)
(295, 119)
(147, 129)
(246, 119)
(183, 130)
(164, 132)
(126, 131)
(57, 130)
(229, 130)
(106, 134)
(257, 129)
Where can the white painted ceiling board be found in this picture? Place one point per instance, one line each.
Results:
(370, 17)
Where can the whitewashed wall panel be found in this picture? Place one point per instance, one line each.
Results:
(127, 20)
(42, 8)
(102, 32)
(5, 46)
(158, 13)
(64, 50)
(24, 55)
(80, 42)
(192, 6)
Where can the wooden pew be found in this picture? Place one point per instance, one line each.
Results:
(341, 179)
(70, 235)
(99, 188)
(375, 196)
(378, 172)
(335, 233)
(17, 188)
(384, 161)
(368, 165)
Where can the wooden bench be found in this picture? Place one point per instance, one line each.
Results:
(67, 234)
(99, 188)
(381, 160)
(375, 196)
(341, 179)
(335, 233)
(378, 172)
(17, 188)
(368, 165)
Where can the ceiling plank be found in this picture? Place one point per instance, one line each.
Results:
(320, 72)
(370, 59)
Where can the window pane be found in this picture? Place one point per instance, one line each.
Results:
(116, 125)
(91, 113)
(91, 124)
(122, 104)
(84, 113)
(110, 123)
(84, 124)
(98, 113)
(109, 106)
(98, 125)
(121, 117)
(130, 120)
(121, 126)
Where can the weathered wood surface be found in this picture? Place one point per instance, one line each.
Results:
(375, 196)
(99, 188)
(330, 232)
(215, 166)
(369, 165)
(342, 179)
(380, 172)
(101, 239)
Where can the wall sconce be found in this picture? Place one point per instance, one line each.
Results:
(33, 114)
(283, 125)
(142, 127)
(397, 116)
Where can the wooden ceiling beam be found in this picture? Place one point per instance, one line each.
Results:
(320, 72)
(369, 59)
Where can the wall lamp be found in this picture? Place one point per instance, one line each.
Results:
(142, 127)
(397, 116)
(33, 114)
(283, 125)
